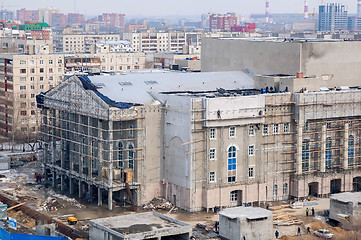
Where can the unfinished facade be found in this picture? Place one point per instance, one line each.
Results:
(196, 145)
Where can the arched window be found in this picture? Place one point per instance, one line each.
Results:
(232, 163)
(131, 156)
(351, 150)
(120, 155)
(305, 155)
(328, 153)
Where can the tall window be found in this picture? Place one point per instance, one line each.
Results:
(212, 176)
(305, 155)
(251, 130)
(328, 153)
(251, 150)
(250, 172)
(275, 190)
(285, 188)
(286, 127)
(212, 133)
(120, 155)
(265, 129)
(233, 196)
(232, 132)
(131, 156)
(212, 154)
(351, 150)
(131, 130)
(232, 164)
(275, 128)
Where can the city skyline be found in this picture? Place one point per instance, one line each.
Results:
(166, 8)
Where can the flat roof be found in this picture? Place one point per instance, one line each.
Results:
(251, 213)
(283, 39)
(346, 197)
(141, 223)
(143, 87)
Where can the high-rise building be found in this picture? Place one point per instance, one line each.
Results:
(222, 21)
(6, 15)
(114, 20)
(59, 20)
(75, 18)
(45, 14)
(332, 17)
(24, 15)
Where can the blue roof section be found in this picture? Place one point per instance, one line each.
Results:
(88, 85)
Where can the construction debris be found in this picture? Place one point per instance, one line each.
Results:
(160, 203)
(51, 204)
(284, 219)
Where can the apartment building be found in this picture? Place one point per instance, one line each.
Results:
(80, 43)
(157, 41)
(23, 76)
(199, 139)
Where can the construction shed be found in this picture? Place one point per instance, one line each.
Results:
(149, 225)
(345, 208)
(245, 223)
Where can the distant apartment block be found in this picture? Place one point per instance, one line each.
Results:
(24, 15)
(222, 21)
(73, 43)
(158, 41)
(114, 20)
(332, 17)
(75, 18)
(59, 20)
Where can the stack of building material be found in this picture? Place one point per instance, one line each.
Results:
(284, 219)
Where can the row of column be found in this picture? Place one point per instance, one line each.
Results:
(323, 148)
(53, 140)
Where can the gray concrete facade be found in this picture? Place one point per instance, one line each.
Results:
(315, 58)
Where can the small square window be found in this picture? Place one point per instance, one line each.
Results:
(251, 150)
(212, 133)
(232, 132)
(212, 154)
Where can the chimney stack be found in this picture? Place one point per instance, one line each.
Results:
(267, 10)
(306, 9)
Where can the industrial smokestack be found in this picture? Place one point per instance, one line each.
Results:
(306, 9)
(359, 8)
(267, 11)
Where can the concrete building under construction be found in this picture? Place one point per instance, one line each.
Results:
(199, 139)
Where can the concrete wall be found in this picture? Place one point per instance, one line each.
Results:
(333, 61)
(258, 56)
(237, 228)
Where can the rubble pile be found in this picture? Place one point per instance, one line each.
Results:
(159, 203)
(72, 201)
(23, 218)
(51, 204)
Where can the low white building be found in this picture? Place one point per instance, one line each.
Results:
(245, 223)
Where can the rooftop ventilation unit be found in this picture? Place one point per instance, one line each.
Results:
(151, 82)
(126, 83)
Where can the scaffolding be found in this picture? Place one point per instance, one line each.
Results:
(93, 146)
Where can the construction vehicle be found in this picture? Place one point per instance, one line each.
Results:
(72, 220)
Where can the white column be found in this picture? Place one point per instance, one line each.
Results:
(345, 149)
(323, 149)
(299, 150)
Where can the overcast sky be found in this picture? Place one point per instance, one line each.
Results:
(174, 7)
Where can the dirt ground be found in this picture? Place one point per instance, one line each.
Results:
(21, 184)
